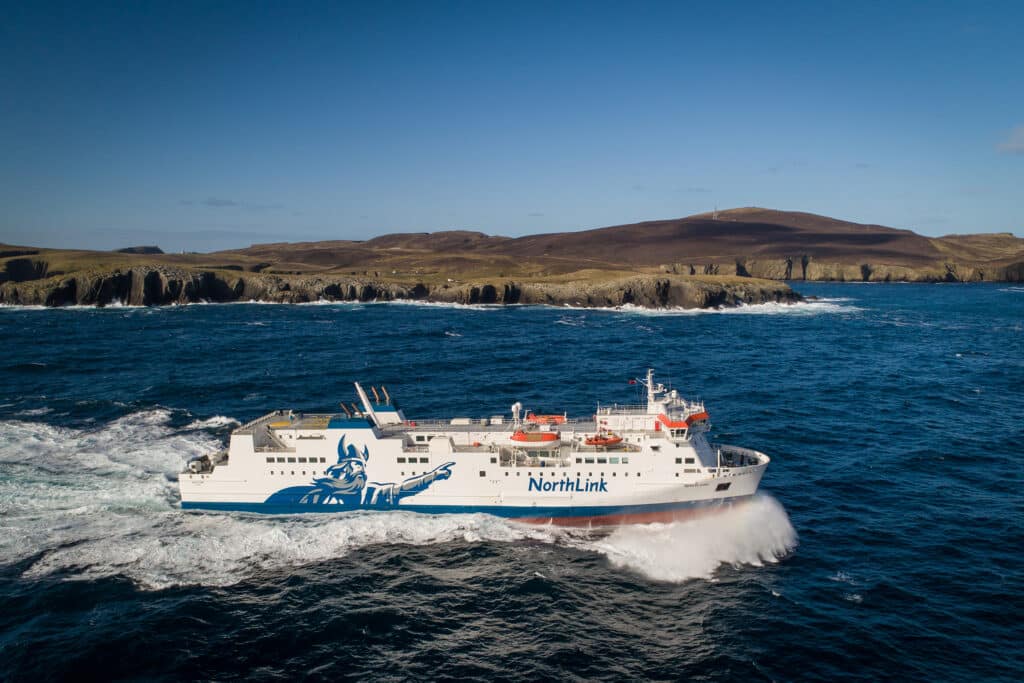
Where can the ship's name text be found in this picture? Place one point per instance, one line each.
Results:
(566, 485)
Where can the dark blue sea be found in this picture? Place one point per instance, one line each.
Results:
(887, 542)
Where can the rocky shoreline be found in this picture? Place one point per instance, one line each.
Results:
(160, 286)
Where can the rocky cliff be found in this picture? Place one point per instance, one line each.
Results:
(155, 286)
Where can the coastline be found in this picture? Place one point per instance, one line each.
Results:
(160, 286)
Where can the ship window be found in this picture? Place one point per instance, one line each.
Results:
(638, 474)
(655, 448)
(270, 460)
(303, 472)
(506, 474)
(614, 461)
(401, 459)
(424, 459)
(291, 459)
(323, 459)
(679, 461)
(482, 473)
(280, 459)
(723, 487)
(589, 461)
(494, 460)
(302, 460)
(614, 473)
(602, 461)
(625, 474)
(677, 474)
(403, 474)
(579, 460)
(689, 461)
(293, 472)
(625, 460)
(420, 437)
(518, 473)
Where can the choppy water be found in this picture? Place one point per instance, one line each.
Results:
(887, 543)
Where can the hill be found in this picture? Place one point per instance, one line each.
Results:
(724, 256)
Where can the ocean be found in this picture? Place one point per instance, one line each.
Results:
(886, 542)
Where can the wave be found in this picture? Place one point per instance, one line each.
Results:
(87, 504)
(751, 533)
(770, 308)
(800, 308)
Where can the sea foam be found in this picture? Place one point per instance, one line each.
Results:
(88, 504)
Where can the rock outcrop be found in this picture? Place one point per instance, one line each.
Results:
(156, 286)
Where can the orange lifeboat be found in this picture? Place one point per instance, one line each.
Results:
(535, 437)
(545, 419)
(605, 440)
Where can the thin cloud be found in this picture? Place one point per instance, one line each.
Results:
(217, 202)
(221, 203)
(1014, 144)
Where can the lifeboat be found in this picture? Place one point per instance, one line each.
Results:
(545, 419)
(535, 437)
(605, 440)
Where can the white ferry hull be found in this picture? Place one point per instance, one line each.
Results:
(660, 467)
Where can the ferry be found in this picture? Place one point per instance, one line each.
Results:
(625, 464)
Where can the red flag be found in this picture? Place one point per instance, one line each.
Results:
(632, 381)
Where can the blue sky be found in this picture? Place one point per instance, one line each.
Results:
(215, 124)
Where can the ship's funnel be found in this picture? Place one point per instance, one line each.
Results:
(367, 406)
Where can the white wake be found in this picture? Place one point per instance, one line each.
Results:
(88, 504)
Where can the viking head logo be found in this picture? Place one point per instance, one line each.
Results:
(347, 477)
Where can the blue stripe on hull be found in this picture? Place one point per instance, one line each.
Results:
(496, 510)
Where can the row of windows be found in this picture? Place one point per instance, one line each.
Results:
(424, 460)
(679, 461)
(483, 473)
(303, 472)
(301, 460)
(603, 461)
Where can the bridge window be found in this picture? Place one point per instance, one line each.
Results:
(280, 459)
(270, 460)
(589, 461)
(420, 437)
(602, 461)
(679, 461)
(579, 460)
(625, 460)
(291, 459)
(401, 459)
(424, 459)
(323, 459)
(614, 461)
(689, 461)
(302, 460)
(723, 487)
